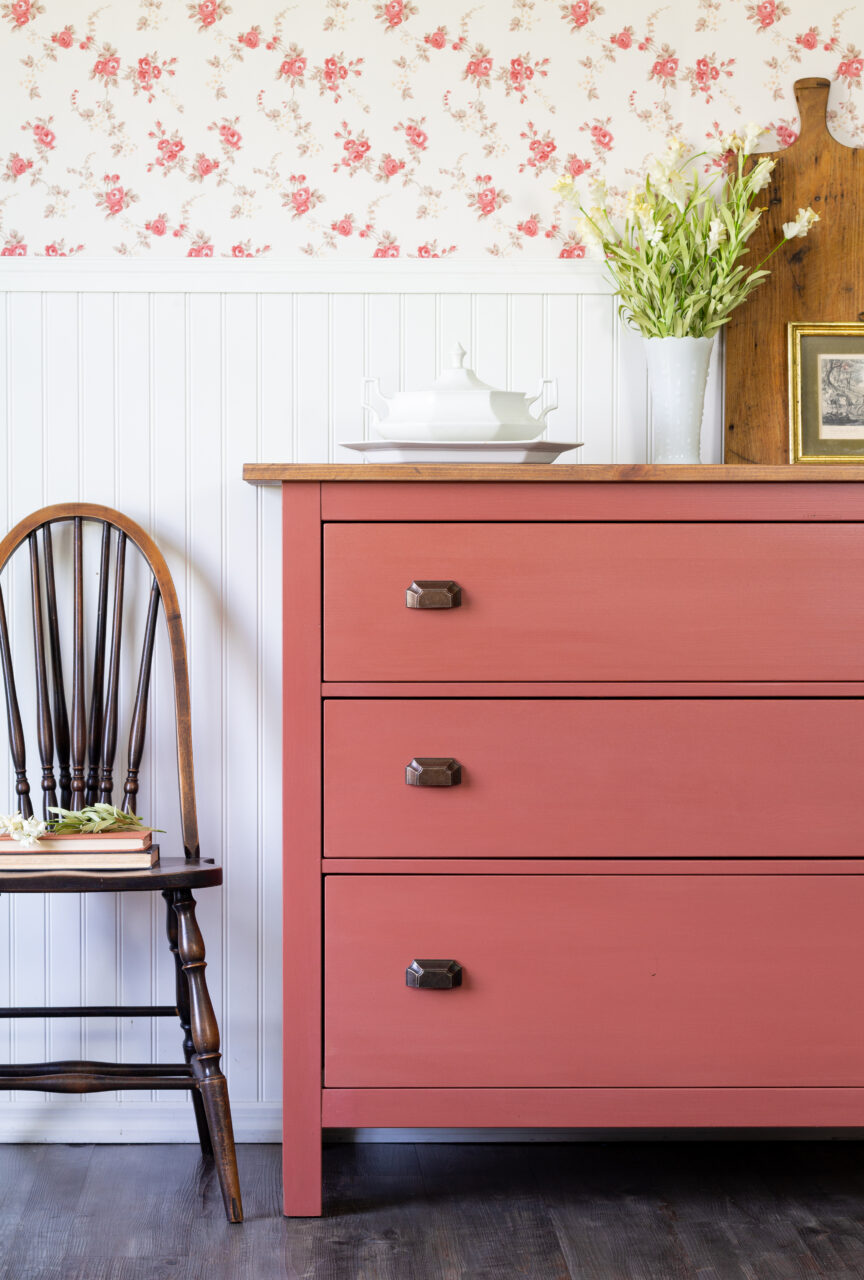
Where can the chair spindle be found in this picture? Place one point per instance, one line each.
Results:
(97, 693)
(109, 725)
(44, 729)
(79, 713)
(13, 716)
(61, 715)
(139, 714)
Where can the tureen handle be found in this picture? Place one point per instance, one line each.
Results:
(545, 382)
(368, 402)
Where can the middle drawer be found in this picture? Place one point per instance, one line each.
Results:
(630, 777)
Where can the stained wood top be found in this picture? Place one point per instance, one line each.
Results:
(282, 472)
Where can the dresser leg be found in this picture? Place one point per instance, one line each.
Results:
(301, 1166)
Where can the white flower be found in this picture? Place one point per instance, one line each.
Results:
(658, 170)
(587, 234)
(637, 203)
(24, 831)
(600, 217)
(727, 142)
(675, 152)
(761, 175)
(10, 823)
(736, 142)
(716, 235)
(676, 189)
(32, 830)
(639, 209)
(798, 229)
(752, 133)
(750, 223)
(669, 182)
(564, 185)
(653, 234)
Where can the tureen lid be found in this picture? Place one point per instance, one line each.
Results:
(458, 377)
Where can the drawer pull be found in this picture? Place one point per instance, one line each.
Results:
(433, 595)
(434, 975)
(433, 771)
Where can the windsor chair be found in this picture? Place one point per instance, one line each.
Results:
(82, 738)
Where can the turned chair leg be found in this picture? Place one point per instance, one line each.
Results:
(182, 988)
(212, 1085)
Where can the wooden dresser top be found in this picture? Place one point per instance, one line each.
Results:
(280, 472)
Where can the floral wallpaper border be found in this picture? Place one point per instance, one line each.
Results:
(376, 128)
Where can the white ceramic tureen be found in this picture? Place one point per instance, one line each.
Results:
(458, 406)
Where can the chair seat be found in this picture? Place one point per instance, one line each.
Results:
(168, 873)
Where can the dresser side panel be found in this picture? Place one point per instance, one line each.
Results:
(301, 801)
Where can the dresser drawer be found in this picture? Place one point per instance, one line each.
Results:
(660, 777)
(636, 601)
(596, 980)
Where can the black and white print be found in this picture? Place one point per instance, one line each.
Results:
(841, 397)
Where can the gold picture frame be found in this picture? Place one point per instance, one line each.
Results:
(826, 392)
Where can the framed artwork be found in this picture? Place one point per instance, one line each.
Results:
(826, 392)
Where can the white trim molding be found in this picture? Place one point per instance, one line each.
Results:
(134, 275)
(65, 1119)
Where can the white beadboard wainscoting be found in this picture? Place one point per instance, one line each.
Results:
(146, 388)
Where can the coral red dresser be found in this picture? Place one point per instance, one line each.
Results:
(573, 801)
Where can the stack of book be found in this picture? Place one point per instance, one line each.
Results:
(105, 851)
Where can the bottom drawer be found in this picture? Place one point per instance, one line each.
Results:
(572, 980)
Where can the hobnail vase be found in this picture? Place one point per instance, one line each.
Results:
(677, 377)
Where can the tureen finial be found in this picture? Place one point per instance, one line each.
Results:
(457, 356)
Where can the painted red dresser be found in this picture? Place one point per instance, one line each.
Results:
(572, 795)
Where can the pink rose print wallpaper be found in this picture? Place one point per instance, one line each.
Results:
(376, 128)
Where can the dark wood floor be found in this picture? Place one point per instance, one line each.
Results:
(634, 1211)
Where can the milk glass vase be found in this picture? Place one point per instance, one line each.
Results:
(677, 377)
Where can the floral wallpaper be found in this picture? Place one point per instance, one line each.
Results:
(376, 128)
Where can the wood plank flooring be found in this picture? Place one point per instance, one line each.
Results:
(612, 1211)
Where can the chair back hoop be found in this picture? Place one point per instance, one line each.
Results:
(82, 739)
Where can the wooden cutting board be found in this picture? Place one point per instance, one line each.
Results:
(820, 278)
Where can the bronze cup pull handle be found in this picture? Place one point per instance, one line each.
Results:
(434, 975)
(433, 771)
(430, 594)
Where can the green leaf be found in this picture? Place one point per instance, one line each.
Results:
(95, 818)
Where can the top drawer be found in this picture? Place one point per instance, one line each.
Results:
(635, 601)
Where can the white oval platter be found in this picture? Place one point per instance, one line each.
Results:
(461, 450)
